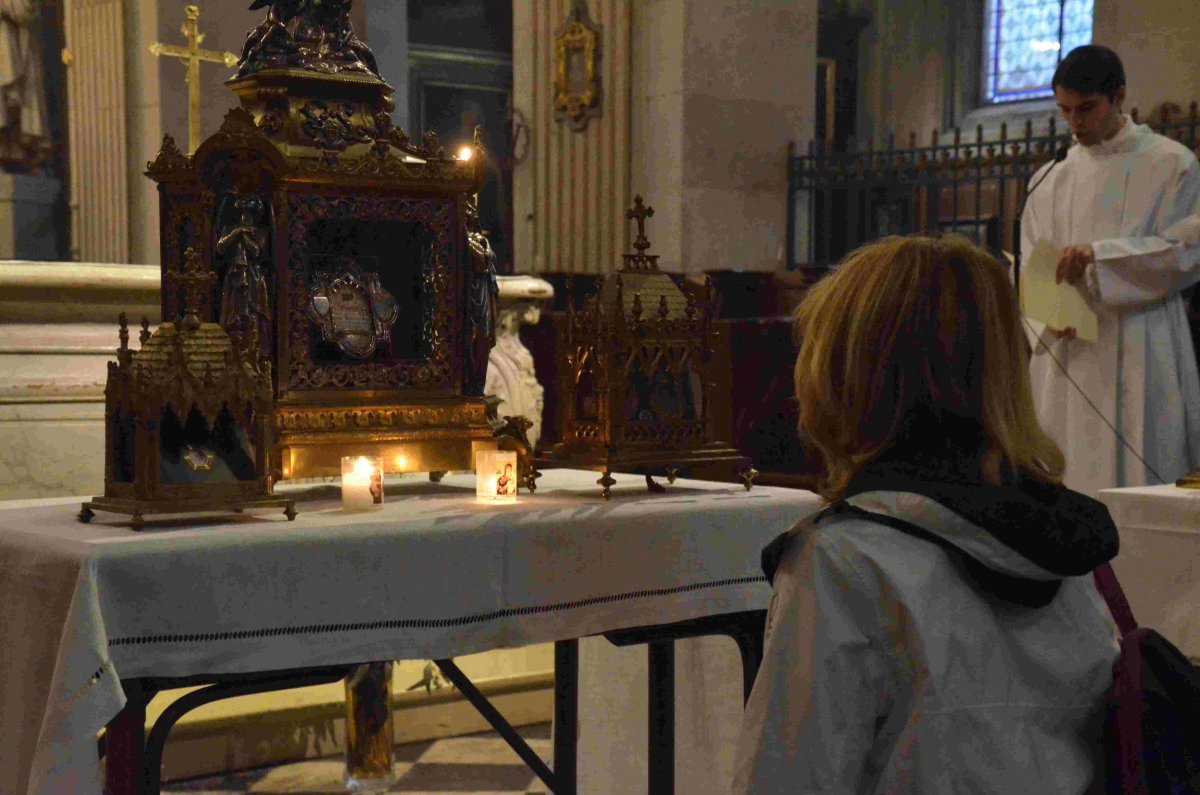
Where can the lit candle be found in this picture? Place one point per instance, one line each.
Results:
(495, 476)
(362, 483)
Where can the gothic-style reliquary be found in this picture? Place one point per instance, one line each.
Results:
(343, 245)
(188, 418)
(637, 390)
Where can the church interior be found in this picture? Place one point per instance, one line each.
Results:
(607, 211)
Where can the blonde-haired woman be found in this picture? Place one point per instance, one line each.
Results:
(934, 631)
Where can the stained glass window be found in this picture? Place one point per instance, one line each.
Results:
(1025, 41)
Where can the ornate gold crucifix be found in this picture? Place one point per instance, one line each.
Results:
(193, 55)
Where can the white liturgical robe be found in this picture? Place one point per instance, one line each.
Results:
(1135, 199)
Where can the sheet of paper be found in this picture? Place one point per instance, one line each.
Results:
(1055, 305)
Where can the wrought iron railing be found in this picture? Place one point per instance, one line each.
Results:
(838, 201)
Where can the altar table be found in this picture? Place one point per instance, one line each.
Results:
(432, 575)
(1159, 562)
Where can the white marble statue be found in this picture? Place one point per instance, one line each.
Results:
(510, 373)
(21, 72)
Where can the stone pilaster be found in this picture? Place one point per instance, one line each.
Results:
(95, 57)
(719, 89)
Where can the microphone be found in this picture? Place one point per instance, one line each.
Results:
(1059, 155)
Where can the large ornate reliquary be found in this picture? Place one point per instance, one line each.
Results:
(345, 246)
(638, 384)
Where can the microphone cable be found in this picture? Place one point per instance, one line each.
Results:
(1059, 155)
(1095, 408)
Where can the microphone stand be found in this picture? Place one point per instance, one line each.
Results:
(1059, 156)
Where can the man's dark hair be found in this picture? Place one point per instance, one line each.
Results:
(1090, 69)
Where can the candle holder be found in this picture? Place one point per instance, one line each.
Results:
(495, 476)
(370, 758)
(362, 483)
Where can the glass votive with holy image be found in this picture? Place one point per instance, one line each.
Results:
(362, 483)
(495, 476)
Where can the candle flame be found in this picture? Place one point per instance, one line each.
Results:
(465, 153)
(362, 467)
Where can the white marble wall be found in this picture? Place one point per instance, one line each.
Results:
(58, 330)
(51, 408)
(1157, 43)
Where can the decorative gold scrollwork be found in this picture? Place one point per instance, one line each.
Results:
(577, 89)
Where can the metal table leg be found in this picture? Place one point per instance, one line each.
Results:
(566, 715)
(562, 778)
(133, 760)
(499, 723)
(125, 743)
(661, 681)
(746, 629)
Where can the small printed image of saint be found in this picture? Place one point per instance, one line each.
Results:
(377, 487)
(504, 483)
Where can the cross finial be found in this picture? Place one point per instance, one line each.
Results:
(639, 213)
(124, 355)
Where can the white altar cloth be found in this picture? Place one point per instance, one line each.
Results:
(431, 575)
(1159, 562)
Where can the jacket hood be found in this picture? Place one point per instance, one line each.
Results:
(1016, 540)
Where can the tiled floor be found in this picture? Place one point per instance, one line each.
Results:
(481, 764)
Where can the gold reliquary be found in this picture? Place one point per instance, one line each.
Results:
(352, 252)
(188, 420)
(638, 386)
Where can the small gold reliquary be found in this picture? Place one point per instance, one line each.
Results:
(637, 390)
(188, 419)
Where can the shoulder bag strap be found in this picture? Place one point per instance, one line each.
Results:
(1118, 605)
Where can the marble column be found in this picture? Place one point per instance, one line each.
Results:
(95, 56)
(718, 91)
